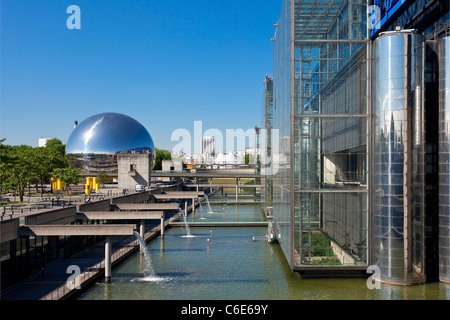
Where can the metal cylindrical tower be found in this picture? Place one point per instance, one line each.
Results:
(444, 158)
(398, 200)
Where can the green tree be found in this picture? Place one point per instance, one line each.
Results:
(55, 151)
(160, 156)
(17, 167)
(69, 175)
(247, 158)
(42, 166)
(5, 162)
(23, 165)
(46, 159)
(101, 178)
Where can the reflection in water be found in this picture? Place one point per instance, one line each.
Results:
(107, 291)
(231, 266)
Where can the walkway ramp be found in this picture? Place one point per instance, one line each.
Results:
(147, 206)
(120, 215)
(221, 224)
(78, 230)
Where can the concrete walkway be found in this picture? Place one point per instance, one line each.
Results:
(52, 283)
(54, 278)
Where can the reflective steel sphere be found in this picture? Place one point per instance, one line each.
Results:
(97, 141)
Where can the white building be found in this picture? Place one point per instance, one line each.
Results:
(43, 142)
(172, 165)
(208, 148)
(229, 158)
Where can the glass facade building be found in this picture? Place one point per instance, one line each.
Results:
(267, 154)
(320, 190)
(355, 166)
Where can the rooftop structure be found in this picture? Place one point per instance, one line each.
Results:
(43, 142)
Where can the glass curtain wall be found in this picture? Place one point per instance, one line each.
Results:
(320, 107)
(282, 123)
(266, 154)
(330, 135)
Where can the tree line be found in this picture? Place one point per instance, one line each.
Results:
(25, 166)
(22, 166)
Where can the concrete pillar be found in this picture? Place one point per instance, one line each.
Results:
(193, 206)
(142, 228)
(108, 259)
(186, 209)
(162, 226)
(237, 182)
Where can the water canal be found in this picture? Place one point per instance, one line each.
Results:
(228, 264)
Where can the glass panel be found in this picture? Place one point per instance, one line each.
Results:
(329, 153)
(281, 122)
(444, 159)
(331, 229)
(330, 172)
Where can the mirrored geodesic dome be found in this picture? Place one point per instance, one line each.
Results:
(97, 141)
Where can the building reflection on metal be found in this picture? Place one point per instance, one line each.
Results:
(398, 206)
(97, 141)
(444, 159)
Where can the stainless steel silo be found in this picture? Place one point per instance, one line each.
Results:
(398, 199)
(444, 158)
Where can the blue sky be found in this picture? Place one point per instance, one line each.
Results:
(166, 63)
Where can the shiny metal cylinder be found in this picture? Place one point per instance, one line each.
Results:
(398, 200)
(444, 158)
